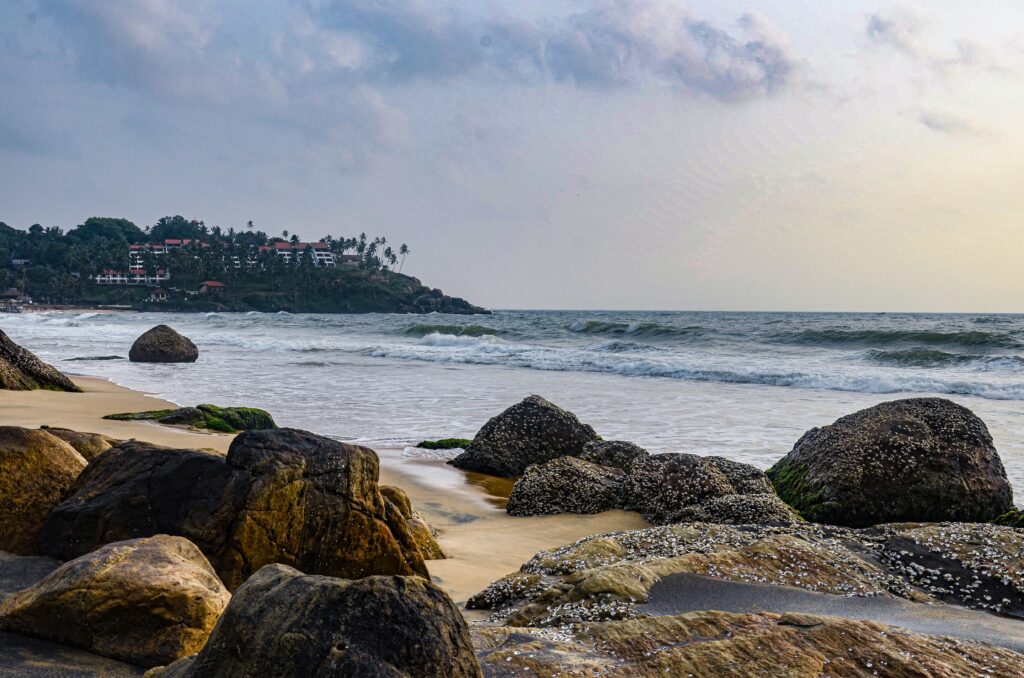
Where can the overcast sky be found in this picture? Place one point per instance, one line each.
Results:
(653, 154)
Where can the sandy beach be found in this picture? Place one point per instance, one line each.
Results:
(482, 542)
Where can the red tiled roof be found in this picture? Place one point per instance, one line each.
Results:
(212, 283)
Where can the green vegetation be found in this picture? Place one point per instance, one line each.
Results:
(444, 444)
(55, 267)
(205, 416)
(791, 484)
(1013, 518)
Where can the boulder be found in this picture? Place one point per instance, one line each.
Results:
(618, 453)
(212, 417)
(89, 445)
(36, 471)
(712, 643)
(566, 485)
(422, 536)
(914, 460)
(291, 624)
(675, 487)
(532, 431)
(163, 345)
(281, 496)
(145, 601)
(20, 370)
(740, 509)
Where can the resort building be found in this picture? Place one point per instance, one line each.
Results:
(134, 276)
(211, 287)
(137, 252)
(320, 252)
(159, 294)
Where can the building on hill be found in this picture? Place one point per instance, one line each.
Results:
(212, 287)
(350, 259)
(319, 252)
(133, 276)
(159, 294)
(137, 252)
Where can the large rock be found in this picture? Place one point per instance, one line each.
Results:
(36, 471)
(163, 345)
(422, 535)
(89, 445)
(921, 460)
(611, 576)
(618, 453)
(566, 485)
(282, 623)
(711, 643)
(671, 488)
(20, 370)
(532, 431)
(282, 496)
(146, 601)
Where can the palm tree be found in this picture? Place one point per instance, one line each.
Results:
(403, 249)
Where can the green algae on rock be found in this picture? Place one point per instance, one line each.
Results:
(444, 444)
(205, 416)
(918, 459)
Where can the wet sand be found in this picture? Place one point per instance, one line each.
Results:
(679, 593)
(482, 541)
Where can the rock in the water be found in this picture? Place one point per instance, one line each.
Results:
(282, 496)
(89, 445)
(146, 601)
(566, 485)
(914, 460)
(163, 345)
(290, 624)
(711, 643)
(618, 453)
(532, 431)
(36, 471)
(20, 370)
(669, 488)
(423, 536)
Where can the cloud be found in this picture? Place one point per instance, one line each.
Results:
(952, 124)
(906, 33)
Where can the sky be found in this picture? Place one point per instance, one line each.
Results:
(651, 154)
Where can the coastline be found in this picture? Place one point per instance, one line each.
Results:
(482, 542)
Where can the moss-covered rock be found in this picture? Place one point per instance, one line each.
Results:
(36, 471)
(206, 416)
(914, 460)
(146, 601)
(1013, 518)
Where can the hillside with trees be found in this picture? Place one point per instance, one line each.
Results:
(55, 267)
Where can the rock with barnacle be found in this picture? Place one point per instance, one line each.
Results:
(566, 485)
(532, 431)
(914, 460)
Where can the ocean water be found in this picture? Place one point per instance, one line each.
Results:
(739, 385)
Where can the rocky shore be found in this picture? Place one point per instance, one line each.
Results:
(886, 543)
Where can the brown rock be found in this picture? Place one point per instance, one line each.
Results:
(422, 536)
(20, 370)
(280, 496)
(36, 470)
(89, 445)
(146, 601)
(291, 624)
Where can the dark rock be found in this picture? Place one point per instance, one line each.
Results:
(530, 432)
(20, 370)
(146, 601)
(163, 345)
(282, 496)
(27, 657)
(1012, 518)
(617, 453)
(290, 624)
(212, 417)
(739, 509)
(670, 488)
(36, 471)
(422, 536)
(89, 445)
(566, 485)
(917, 460)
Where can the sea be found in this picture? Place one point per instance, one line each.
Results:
(740, 385)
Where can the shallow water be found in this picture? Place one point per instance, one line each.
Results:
(740, 385)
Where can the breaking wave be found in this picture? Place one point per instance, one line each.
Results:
(637, 329)
(839, 337)
(424, 329)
